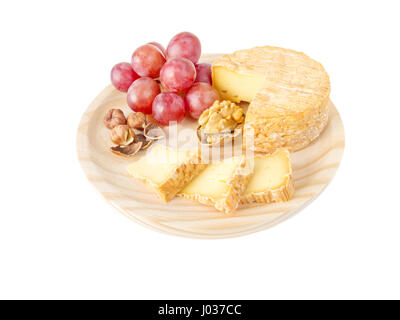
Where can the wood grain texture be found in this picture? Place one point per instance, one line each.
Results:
(313, 168)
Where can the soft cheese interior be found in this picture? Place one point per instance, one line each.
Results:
(213, 181)
(235, 86)
(167, 170)
(221, 184)
(160, 163)
(272, 179)
(270, 172)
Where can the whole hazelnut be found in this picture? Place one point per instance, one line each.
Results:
(113, 118)
(136, 120)
(122, 135)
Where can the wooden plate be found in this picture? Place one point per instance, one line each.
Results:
(314, 167)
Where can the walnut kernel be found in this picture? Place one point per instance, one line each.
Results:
(222, 117)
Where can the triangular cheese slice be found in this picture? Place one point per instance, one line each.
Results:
(221, 184)
(272, 179)
(167, 170)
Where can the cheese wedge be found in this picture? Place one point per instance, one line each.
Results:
(272, 179)
(221, 184)
(167, 170)
(288, 94)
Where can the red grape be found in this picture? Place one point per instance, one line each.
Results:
(167, 107)
(142, 93)
(147, 61)
(184, 45)
(122, 76)
(159, 46)
(203, 73)
(178, 74)
(199, 98)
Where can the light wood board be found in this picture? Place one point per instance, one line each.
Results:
(314, 167)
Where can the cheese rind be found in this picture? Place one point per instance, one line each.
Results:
(272, 179)
(288, 94)
(167, 170)
(220, 185)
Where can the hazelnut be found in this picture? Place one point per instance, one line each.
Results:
(122, 135)
(137, 120)
(113, 118)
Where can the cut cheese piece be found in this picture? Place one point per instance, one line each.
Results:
(221, 184)
(288, 94)
(234, 86)
(272, 179)
(167, 170)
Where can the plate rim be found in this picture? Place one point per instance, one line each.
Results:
(82, 140)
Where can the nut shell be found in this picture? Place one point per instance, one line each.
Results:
(128, 151)
(122, 135)
(218, 139)
(153, 132)
(145, 142)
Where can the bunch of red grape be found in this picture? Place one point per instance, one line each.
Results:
(167, 83)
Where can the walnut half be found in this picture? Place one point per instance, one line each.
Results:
(221, 119)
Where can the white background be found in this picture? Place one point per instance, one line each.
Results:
(60, 239)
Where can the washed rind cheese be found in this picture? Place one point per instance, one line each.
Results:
(167, 170)
(221, 184)
(288, 94)
(272, 179)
